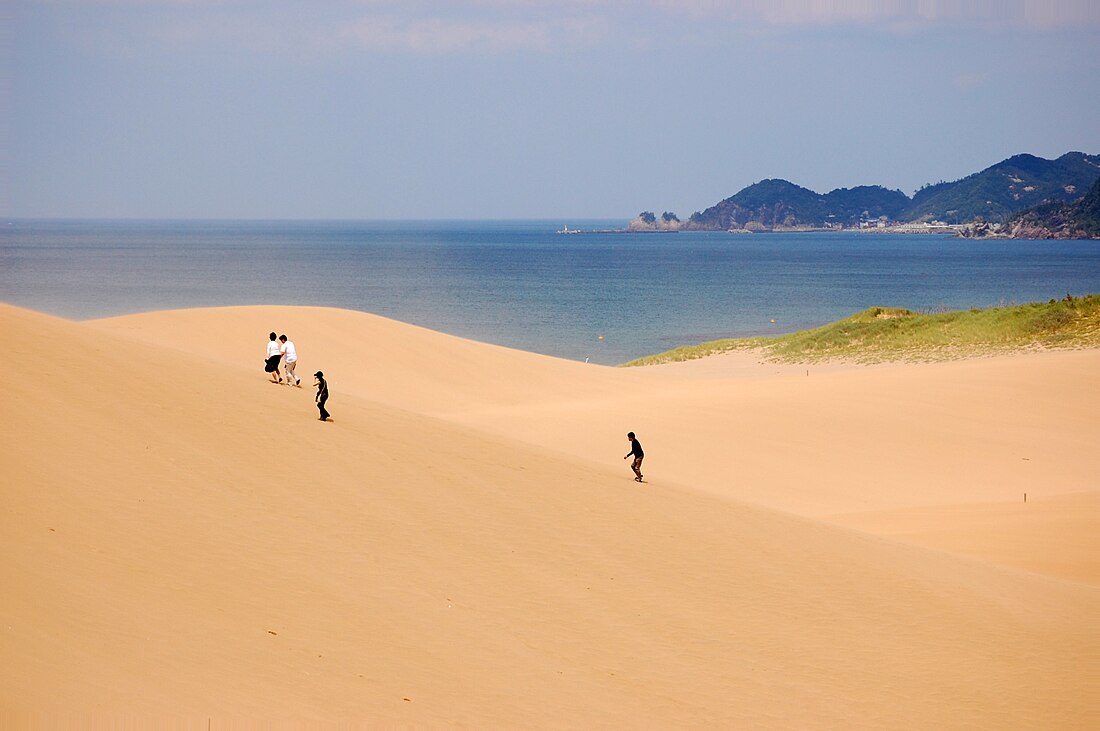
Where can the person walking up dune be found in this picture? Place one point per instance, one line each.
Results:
(639, 455)
(290, 359)
(271, 365)
(322, 394)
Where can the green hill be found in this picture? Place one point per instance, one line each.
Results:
(994, 194)
(865, 202)
(890, 334)
(1058, 220)
(774, 202)
(1020, 182)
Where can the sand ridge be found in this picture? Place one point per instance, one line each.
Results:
(185, 539)
(841, 440)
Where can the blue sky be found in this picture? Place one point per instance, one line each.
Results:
(562, 109)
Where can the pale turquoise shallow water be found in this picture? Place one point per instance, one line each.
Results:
(521, 285)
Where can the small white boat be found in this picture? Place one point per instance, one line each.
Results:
(567, 230)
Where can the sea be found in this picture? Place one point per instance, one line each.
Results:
(602, 297)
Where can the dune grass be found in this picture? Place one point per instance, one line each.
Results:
(882, 334)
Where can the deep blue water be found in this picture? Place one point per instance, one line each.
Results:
(521, 285)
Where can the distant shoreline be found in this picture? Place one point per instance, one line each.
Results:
(918, 229)
(572, 232)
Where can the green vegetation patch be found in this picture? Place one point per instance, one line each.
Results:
(890, 334)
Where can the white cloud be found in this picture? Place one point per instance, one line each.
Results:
(511, 26)
(435, 35)
(1033, 14)
(446, 35)
(300, 28)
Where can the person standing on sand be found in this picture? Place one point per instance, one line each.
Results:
(271, 365)
(636, 450)
(290, 359)
(322, 394)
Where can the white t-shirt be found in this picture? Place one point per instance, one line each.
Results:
(273, 348)
(290, 355)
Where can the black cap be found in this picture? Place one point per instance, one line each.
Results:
(318, 373)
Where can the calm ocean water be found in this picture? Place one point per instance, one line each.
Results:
(521, 285)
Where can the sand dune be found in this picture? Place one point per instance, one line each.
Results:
(183, 539)
(1053, 535)
(837, 442)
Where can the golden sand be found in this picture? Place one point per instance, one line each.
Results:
(464, 544)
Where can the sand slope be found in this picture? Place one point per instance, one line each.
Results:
(1056, 535)
(837, 442)
(833, 442)
(183, 539)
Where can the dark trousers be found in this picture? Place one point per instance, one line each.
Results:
(321, 406)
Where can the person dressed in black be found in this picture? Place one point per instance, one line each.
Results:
(636, 451)
(322, 394)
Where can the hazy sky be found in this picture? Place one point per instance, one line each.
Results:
(562, 109)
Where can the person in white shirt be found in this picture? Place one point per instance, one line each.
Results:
(290, 359)
(271, 365)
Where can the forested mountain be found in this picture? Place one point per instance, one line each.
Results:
(866, 202)
(1020, 182)
(993, 194)
(1058, 220)
(774, 202)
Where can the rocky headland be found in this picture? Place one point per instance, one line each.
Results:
(992, 202)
